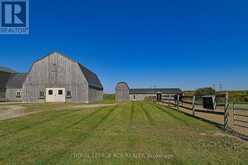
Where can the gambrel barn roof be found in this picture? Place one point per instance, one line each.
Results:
(122, 83)
(91, 77)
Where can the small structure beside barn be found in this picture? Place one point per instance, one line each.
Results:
(5, 74)
(124, 93)
(209, 102)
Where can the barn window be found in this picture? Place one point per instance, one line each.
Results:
(54, 68)
(50, 92)
(60, 92)
(68, 94)
(42, 94)
(18, 94)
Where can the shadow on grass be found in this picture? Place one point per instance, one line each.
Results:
(131, 116)
(31, 125)
(104, 118)
(51, 136)
(216, 124)
(85, 118)
(147, 114)
(56, 156)
(171, 114)
(79, 121)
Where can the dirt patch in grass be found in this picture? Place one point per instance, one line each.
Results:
(93, 105)
(11, 107)
(15, 111)
(11, 111)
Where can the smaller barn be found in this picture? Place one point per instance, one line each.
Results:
(122, 92)
(140, 94)
(14, 90)
(5, 75)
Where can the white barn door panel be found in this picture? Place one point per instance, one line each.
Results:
(55, 94)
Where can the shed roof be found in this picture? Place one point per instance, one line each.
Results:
(121, 84)
(4, 77)
(16, 80)
(5, 69)
(155, 90)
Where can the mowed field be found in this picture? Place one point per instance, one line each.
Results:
(130, 133)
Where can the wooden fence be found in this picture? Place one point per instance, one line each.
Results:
(230, 117)
(239, 116)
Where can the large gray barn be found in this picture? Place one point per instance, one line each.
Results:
(54, 78)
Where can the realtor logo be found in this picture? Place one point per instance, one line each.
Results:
(14, 17)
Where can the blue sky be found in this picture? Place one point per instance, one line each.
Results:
(186, 44)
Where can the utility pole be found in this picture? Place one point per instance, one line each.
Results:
(220, 87)
(214, 87)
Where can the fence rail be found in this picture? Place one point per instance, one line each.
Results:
(240, 116)
(230, 117)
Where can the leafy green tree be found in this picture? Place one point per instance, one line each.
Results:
(205, 91)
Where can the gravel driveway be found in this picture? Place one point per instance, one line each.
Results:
(11, 111)
(15, 111)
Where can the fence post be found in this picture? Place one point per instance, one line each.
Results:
(177, 102)
(232, 113)
(193, 105)
(226, 111)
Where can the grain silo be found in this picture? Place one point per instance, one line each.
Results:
(122, 92)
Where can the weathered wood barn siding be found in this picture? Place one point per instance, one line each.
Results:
(95, 95)
(140, 96)
(11, 94)
(14, 87)
(3, 80)
(4, 77)
(2, 94)
(122, 92)
(55, 71)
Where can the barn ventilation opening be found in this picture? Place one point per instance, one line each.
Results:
(18, 94)
(50, 92)
(42, 94)
(60, 92)
(68, 94)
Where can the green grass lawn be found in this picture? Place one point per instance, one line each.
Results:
(108, 99)
(131, 133)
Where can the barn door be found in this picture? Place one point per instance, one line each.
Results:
(55, 94)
